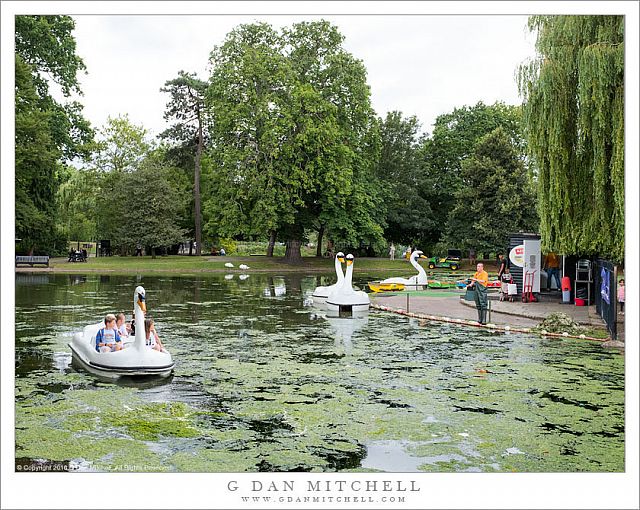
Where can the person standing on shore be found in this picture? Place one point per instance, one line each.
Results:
(552, 265)
(392, 252)
(621, 296)
(479, 283)
(502, 265)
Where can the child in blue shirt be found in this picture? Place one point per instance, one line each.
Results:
(108, 339)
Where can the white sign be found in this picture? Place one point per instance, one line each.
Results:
(516, 255)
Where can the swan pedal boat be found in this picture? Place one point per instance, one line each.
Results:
(135, 359)
(416, 282)
(344, 299)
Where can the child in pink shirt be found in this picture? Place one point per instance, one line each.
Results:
(621, 295)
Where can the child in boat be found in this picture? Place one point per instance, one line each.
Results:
(108, 339)
(153, 340)
(122, 325)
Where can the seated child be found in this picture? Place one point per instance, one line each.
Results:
(108, 339)
(153, 340)
(122, 325)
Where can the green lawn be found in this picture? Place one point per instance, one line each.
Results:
(183, 263)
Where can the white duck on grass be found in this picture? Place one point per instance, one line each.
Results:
(322, 292)
(413, 281)
(344, 298)
(228, 264)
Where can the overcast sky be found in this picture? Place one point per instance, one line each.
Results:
(420, 65)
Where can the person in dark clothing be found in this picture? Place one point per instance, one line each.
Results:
(502, 265)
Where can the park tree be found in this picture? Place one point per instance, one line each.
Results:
(574, 123)
(122, 145)
(186, 108)
(453, 139)
(252, 192)
(497, 199)
(316, 53)
(48, 132)
(121, 150)
(76, 203)
(291, 114)
(149, 210)
(408, 216)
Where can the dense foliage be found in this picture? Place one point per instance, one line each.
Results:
(291, 137)
(453, 139)
(282, 144)
(496, 199)
(48, 132)
(574, 118)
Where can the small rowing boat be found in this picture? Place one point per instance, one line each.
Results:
(385, 287)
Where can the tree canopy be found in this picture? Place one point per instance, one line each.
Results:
(453, 139)
(497, 199)
(291, 118)
(574, 121)
(47, 132)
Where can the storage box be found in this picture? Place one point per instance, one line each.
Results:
(580, 302)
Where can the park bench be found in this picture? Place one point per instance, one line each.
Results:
(31, 260)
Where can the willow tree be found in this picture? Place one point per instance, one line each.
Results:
(574, 123)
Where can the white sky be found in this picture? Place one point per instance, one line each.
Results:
(421, 65)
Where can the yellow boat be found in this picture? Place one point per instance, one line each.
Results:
(385, 287)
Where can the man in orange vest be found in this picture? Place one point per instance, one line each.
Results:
(552, 265)
(479, 283)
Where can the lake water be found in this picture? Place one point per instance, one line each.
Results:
(264, 381)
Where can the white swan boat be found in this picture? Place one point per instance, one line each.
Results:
(344, 299)
(412, 282)
(322, 292)
(135, 359)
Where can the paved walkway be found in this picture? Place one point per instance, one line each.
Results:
(517, 313)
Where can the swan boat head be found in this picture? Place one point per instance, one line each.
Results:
(322, 292)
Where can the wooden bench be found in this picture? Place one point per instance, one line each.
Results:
(31, 260)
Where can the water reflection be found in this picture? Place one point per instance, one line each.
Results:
(345, 327)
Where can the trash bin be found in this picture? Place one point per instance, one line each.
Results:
(566, 289)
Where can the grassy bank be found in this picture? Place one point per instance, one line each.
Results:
(182, 263)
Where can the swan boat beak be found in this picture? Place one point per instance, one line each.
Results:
(141, 303)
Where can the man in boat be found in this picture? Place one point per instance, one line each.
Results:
(479, 282)
(108, 339)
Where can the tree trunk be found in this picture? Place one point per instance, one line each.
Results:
(292, 254)
(272, 242)
(320, 236)
(196, 189)
(153, 253)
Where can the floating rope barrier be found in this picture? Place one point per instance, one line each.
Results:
(475, 324)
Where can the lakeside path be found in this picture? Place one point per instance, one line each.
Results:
(448, 304)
